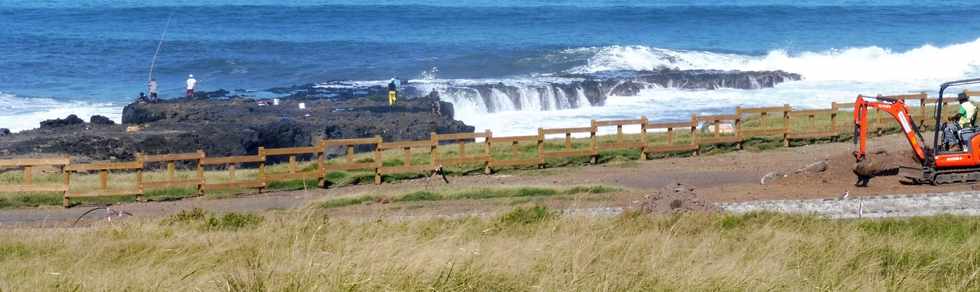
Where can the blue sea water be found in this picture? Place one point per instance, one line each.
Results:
(64, 56)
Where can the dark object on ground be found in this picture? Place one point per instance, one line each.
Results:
(442, 172)
(109, 213)
(57, 123)
(4, 132)
(676, 198)
(101, 120)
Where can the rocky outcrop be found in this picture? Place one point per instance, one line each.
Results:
(58, 123)
(4, 132)
(237, 126)
(101, 120)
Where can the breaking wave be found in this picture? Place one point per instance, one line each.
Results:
(861, 64)
(26, 113)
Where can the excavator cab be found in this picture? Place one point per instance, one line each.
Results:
(956, 137)
(939, 164)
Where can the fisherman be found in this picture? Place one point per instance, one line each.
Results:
(965, 119)
(152, 86)
(393, 91)
(142, 98)
(191, 84)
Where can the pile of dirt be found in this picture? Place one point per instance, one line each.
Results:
(840, 169)
(676, 198)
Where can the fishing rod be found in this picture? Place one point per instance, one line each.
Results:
(159, 46)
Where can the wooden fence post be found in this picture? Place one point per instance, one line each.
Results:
(321, 164)
(643, 137)
(379, 162)
(67, 174)
(434, 149)
(200, 172)
(488, 152)
(738, 126)
(594, 146)
(834, 108)
(786, 110)
(694, 134)
(262, 155)
(261, 177)
(139, 178)
(28, 175)
(541, 147)
(592, 135)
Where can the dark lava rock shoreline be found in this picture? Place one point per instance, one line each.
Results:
(233, 126)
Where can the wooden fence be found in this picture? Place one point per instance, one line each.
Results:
(460, 149)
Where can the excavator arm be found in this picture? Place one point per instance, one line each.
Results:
(894, 107)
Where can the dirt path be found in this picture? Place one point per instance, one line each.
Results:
(724, 178)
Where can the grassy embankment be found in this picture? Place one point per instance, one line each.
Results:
(529, 248)
(86, 182)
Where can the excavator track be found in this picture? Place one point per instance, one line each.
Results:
(928, 175)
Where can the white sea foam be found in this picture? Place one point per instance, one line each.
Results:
(837, 75)
(671, 104)
(861, 64)
(26, 113)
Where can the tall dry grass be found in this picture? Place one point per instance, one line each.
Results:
(528, 249)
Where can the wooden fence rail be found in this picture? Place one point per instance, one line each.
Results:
(620, 142)
(462, 158)
(104, 169)
(692, 135)
(171, 175)
(293, 172)
(231, 163)
(516, 158)
(29, 166)
(407, 165)
(568, 149)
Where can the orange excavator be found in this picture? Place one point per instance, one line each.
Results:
(938, 164)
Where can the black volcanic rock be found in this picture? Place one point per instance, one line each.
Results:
(238, 126)
(101, 120)
(67, 121)
(4, 132)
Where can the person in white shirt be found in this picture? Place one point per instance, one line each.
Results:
(152, 86)
(191, 83)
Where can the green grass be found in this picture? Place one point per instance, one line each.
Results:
(292, 185)
(170, 194)
(348, 201)
(10, 200)
(420, 196)
(213, 222)
(526, 248)
(471, 194)
(527, 215)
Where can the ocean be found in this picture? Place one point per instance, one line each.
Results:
(59, 57)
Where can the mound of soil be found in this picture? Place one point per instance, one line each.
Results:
(841, 168)
(676, 198)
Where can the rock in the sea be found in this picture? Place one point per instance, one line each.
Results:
(101, 120)
(67, 121)
(4, 132)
